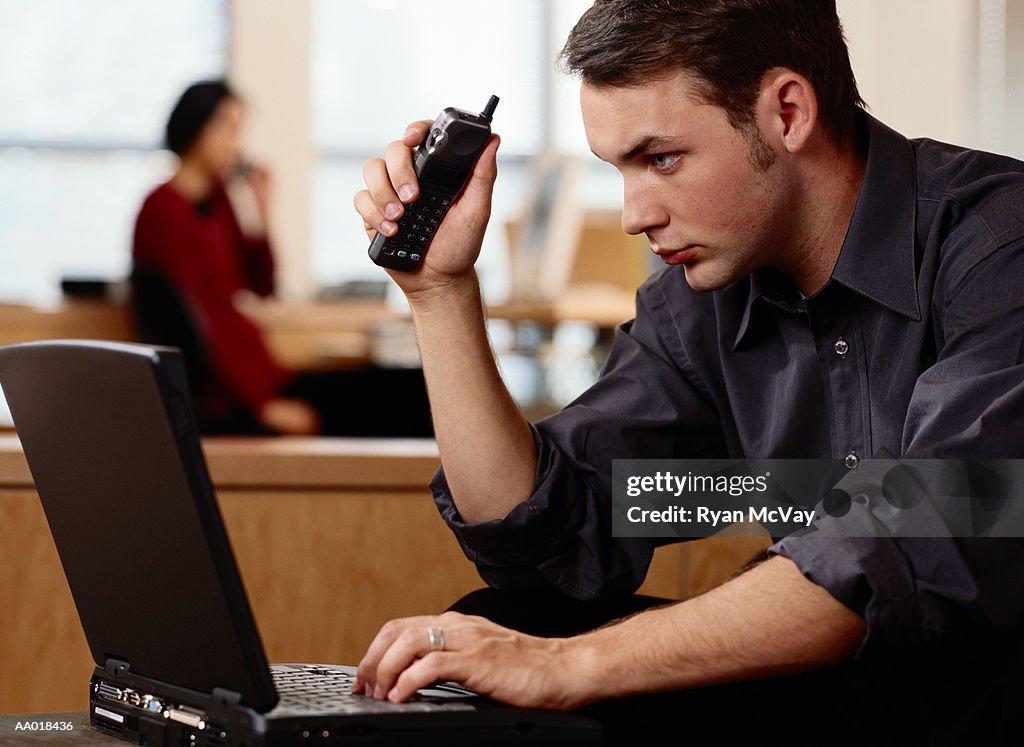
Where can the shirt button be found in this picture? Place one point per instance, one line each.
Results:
(852, 460)
(842, 347)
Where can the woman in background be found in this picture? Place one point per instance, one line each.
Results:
(196, 256)
(188, 234)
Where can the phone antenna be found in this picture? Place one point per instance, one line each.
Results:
(488, 112)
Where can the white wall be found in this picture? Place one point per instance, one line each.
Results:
(916, 63)
(270, 67)
(1013, 117)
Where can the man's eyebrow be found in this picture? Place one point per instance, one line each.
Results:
(647, 144)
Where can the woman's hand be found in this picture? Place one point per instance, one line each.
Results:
(290, 417)
(260, 182)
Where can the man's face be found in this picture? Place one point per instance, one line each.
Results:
(690, 179)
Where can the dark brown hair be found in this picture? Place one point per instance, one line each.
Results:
(726, 45)
(192, 112)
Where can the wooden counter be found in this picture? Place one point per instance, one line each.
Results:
(603, 306)
(303, 336)
(333, 538)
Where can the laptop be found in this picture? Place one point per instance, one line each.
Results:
(110, 438)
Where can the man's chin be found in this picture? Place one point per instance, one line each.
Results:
(703, 278)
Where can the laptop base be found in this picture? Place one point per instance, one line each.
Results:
(145, 712)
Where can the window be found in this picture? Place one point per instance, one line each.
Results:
(86, 89)
(445, 53)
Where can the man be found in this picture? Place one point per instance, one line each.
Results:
(831, 290)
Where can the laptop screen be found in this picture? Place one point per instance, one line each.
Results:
(110, 439)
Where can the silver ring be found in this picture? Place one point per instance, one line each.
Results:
(436, 638)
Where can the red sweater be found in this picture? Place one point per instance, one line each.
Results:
(203, 253)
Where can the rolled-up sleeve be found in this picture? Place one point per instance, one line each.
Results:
(917, 592)
(644, 405)
(970, 403)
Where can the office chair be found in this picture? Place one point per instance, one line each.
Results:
(163, 317)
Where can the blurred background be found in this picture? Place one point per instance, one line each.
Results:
(85, 89)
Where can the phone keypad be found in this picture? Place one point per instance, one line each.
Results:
(416, 228)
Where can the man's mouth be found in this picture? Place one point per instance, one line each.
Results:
(675, 256)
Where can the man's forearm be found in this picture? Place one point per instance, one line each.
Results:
(486, 446)
(770, 621)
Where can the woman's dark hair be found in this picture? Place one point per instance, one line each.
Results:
(193, 110)
(726, 45)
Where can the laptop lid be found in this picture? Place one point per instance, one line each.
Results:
(109, 436)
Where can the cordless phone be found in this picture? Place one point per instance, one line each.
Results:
(443, 163)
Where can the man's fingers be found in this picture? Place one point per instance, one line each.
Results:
(390, 181)
(398, 644)
(366, 672)
(398, 159)
(416, 132)
(425, 671)
(410, 645)
(368, 211)
(404, 183)
(486, 169)
(481, 183)
(378, 184)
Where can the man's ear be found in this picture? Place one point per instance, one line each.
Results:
(787, 109)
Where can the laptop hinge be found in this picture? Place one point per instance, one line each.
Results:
(226, 698)
(116, 667)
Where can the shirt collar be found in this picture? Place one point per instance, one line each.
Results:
(877, 257)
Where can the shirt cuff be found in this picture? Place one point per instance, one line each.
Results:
(533, 529)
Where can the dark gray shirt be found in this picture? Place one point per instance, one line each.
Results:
(915, 346)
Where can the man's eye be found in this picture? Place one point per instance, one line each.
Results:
(665, 161)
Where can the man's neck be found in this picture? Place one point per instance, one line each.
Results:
(824, 208)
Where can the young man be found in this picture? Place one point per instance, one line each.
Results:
(831, 290)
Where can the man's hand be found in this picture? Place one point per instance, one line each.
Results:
(391, 184)
(503, 664)
(767, 622)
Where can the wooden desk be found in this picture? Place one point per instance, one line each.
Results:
(306, 337)
(323, 335)
(603, 306)
(333, 537)
(79, 319)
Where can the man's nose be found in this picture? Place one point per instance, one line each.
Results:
(640, 212)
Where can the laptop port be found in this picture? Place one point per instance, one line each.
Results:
(190, 718)
(107, 691)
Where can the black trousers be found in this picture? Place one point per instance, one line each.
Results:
(891, 700)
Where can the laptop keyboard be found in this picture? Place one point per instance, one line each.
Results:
(324, 689)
